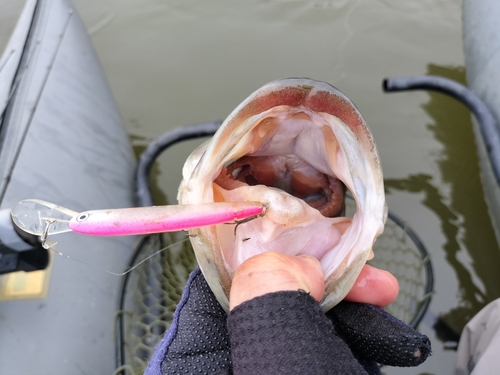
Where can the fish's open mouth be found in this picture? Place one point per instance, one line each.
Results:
(291, 160)
(296, 146)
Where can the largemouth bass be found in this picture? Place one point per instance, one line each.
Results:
(296, 146)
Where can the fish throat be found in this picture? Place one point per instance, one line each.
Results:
(291, 174)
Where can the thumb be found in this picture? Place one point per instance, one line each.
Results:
(274, 272)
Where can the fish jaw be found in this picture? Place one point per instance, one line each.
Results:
(297, 131)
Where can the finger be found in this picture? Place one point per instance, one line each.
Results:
(312, 275)
(374, 286)
(273, 272)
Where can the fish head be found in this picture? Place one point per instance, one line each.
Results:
(297, 146)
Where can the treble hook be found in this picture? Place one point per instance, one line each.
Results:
(45, 233)
(247, 219)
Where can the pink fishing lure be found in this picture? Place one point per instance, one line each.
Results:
(157, 219)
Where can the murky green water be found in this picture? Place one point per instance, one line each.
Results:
(173, 63)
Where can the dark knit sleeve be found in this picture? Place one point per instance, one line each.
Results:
(286, 333)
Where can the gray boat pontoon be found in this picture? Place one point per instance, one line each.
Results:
(481, 29)
(61, 140)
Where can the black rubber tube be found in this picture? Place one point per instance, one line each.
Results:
(488, 126)
(155, 148)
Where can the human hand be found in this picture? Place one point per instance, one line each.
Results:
(272, 272)
(198, 339)
(361, 328)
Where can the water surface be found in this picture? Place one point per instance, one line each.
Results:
(173, 63)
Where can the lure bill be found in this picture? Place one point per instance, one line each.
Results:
(42, 218)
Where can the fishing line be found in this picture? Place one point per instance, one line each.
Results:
(7, 60)
(51, 247)
(17, 80)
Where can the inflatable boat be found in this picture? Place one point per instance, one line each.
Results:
(63, 141)
(481, 34)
